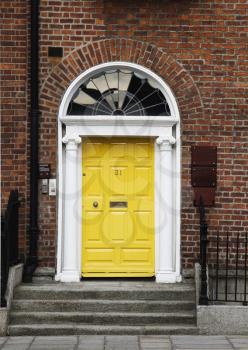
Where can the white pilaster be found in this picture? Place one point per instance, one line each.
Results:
(70, 258)
(165, 267)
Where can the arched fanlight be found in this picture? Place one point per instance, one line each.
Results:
(120, 92)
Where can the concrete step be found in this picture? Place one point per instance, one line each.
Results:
(103, 307)
(43, 274)
(98, 318)
(112, 292)
(93, 305)
(156, 329)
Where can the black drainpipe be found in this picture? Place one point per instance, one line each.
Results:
(32, 260)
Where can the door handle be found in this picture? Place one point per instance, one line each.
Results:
(95, 204)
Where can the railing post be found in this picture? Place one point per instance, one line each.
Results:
(227, 266)
(236, 268)
(245, 280)
(9, 241)
(3, 263)
(217, 267)
(203, 300)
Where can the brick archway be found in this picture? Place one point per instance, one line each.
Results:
(145, 54)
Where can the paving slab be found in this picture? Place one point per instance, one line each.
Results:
(52, 347)
(155, 338)
(48, 339)
(20, 340)
(203, 347)
(17, 343)
(198, 339)
(200, 343)
(54, 343)
(239, 342)
(90, 342)
(200, 347)
(121, 343)
(155, 342)
(155, 347)
(90, 347)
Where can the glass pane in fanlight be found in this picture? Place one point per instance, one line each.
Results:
(101, 83)
(112, 79)
(124, 80)
(75, 95)
(90, 86)
(100, 110)
(122, 96)
(115, 96)
(110, 101)
(139, 75)
(125, 71)
(153, 84)
(84, 99)
(160, 95)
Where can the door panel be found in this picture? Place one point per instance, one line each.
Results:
(118, 207)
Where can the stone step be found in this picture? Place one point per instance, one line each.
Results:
(103, 307)
(98, 318)
(112, 292)
(94, 305)
(43, 275)
(58, 329)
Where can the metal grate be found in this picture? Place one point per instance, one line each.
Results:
(228, 276)
(223, 260)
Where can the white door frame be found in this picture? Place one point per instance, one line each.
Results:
(166, 134)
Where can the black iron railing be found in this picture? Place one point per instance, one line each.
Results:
(224, 265)
(9, 240)
(228, 273)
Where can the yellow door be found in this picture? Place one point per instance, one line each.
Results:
(118, 207)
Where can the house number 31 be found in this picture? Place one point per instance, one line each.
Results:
(118, 172)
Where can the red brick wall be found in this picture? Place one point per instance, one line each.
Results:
(14, 112)
(202, 56)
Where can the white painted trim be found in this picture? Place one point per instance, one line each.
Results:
(83, 126)
(111, 120)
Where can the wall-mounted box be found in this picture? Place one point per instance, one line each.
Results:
(44, 171)
(52, 187)
(55, 51)
(204, 174)
(204, 155)
(55, 54)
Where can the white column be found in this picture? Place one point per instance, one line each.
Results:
(70, 251)
(165, 264)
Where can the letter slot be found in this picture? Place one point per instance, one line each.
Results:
(118, 204)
